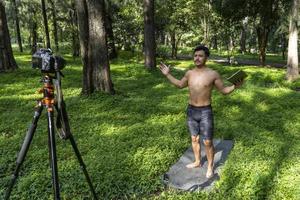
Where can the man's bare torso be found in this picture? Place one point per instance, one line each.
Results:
(200, 84)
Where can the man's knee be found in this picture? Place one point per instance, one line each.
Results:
(207, 142)
(195, 138)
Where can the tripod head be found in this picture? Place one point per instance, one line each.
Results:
(52, 83)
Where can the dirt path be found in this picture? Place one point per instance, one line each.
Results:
(238, 61)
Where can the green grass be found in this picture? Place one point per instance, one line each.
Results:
(130, 139)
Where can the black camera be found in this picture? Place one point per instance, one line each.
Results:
(44, 60)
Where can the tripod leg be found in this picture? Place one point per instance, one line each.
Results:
(24, 149)
(82, 166)
(52, 152)
(67, 130)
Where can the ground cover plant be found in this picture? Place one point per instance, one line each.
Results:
(130, 139)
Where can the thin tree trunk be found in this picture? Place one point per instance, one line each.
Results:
(243, 41)
(262, 37)
(18, 26)
(149, 34)
(243, 36)
(52, 2)
(34, 37)
(173, 44)
(230, 49)
(74, 29)
(214, 42)
(33, 30)
(110, 33)
(206, 30)
(7, 60)
(166, 40)
(283, 46)
(292, 61)
(178, 40)
(46, 24)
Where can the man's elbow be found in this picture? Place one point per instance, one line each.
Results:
(181, 86)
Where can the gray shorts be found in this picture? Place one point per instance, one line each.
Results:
(200, 120)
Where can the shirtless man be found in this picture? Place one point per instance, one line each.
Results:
(200, 82)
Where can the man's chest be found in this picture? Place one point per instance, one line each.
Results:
(204, 80)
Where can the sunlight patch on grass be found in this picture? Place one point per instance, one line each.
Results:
(243, 95)
(262, 106)
(160, 86)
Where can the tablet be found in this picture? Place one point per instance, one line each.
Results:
(237, 77)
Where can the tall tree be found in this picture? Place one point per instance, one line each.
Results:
(93, 45)
(243, 36)
(7, 60)
(74, 30)
(46, 23)
(16, 15)
(52, 2)
(109, 29)
(292, 60)
(33, 32)
(149, 34)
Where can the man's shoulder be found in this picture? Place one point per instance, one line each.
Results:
(188, 72)
(212, 72)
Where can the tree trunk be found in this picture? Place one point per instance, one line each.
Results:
(243, 41)
(18, 26)
(52, 2)
(7, 60)
(243, 36)
(33, 30)
(262, 38)
(292, 60)
(205, 23)
(166, 40)
(34, 37)
(74, 29)
(283, 46)
(149, 34)
(46, 24)
(161, 37)
(214, 42)
(110, 34)
(93, 44)
(173, 44)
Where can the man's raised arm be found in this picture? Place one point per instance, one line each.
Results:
(178, 83)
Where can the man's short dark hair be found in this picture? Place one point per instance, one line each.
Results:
(203, 48)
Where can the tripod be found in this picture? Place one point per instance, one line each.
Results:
(62, 125)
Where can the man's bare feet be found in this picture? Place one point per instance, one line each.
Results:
(210, 172)
(194, 165)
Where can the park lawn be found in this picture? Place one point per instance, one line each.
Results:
(130, 139)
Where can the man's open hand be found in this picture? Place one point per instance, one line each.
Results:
(164, 69)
